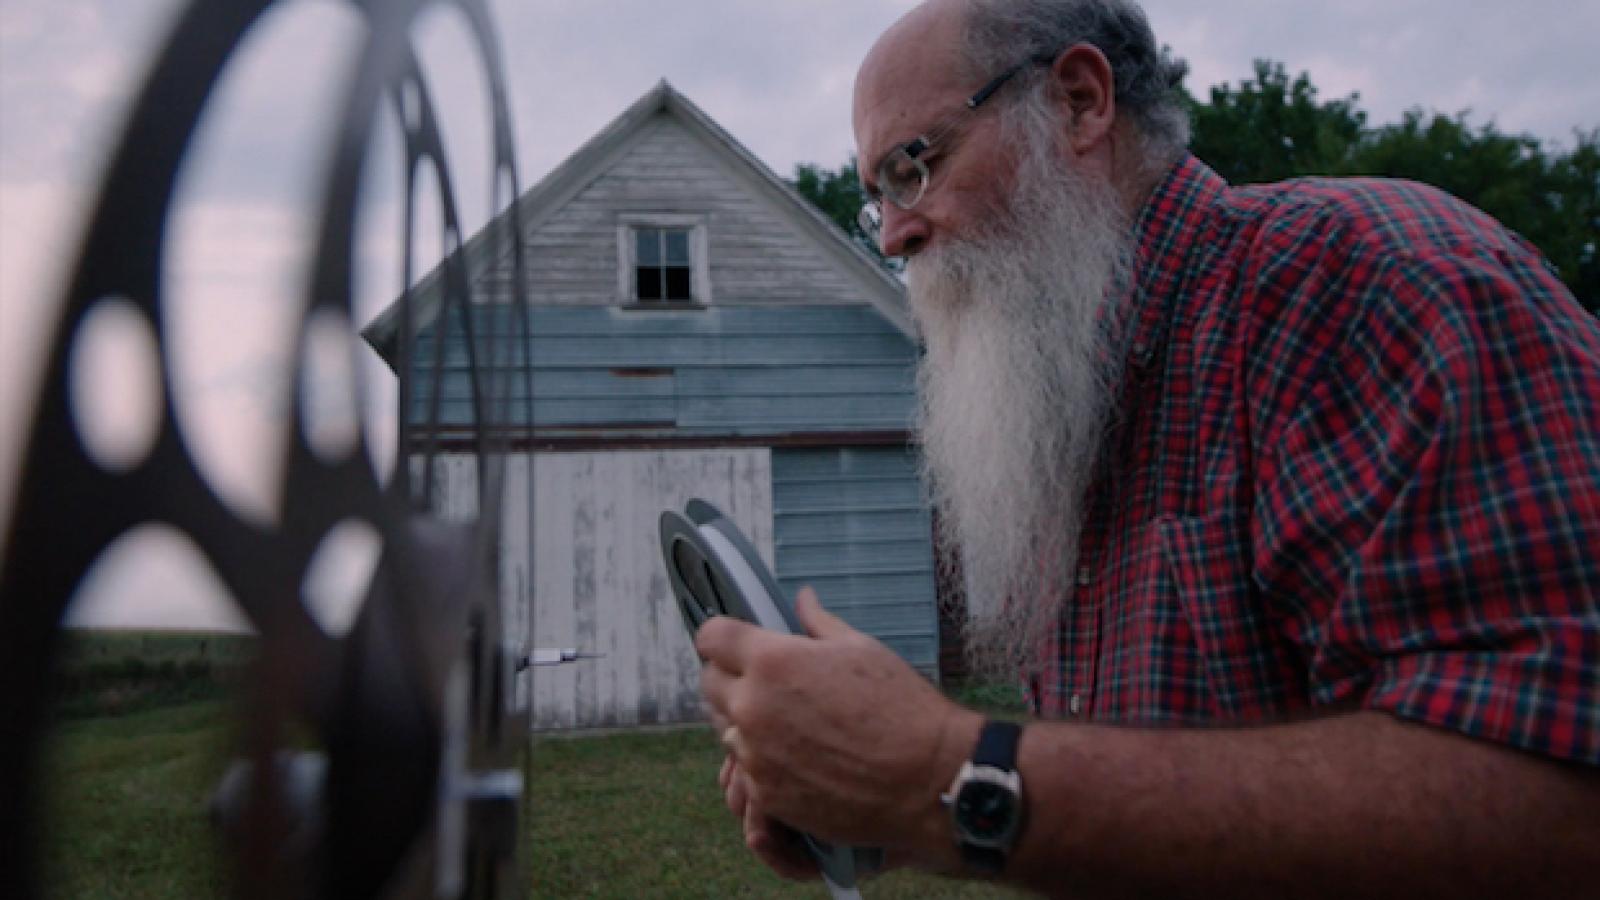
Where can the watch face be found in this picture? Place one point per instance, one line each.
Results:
(985, 811)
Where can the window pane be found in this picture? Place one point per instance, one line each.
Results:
(649, 283)
(678, 283)
(678, 248)
(647, 242)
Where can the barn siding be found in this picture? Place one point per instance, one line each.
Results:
(601, 586)
(757, 255)
(720, 371)
(851, 523)
(847, 521)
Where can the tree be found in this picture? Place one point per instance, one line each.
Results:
(838, 195)
(1270, 128)
(1573, 241)
(1273, 127)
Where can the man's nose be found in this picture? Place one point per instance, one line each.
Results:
(904, 233)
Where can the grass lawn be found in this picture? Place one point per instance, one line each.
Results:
(127, 811)
(627, 816)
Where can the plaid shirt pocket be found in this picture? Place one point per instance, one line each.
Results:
(1250, 666)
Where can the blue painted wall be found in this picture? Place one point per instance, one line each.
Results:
(736, 371)
(850, 522)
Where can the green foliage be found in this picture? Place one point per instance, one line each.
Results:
(115, 672)
(1272, 127)
(838, 195)
(1000, 699)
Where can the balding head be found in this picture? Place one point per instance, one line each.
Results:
(945, 45)
(914, 64)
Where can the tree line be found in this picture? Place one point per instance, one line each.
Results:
(1270, 127)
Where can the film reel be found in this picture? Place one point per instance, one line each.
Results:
(715, 571)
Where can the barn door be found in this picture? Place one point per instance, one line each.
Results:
(600, 585)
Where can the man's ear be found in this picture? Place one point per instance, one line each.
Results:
(1086, 92)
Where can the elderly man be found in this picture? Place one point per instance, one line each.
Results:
(1285, 498)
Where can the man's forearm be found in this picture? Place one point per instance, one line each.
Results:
(1353, 806)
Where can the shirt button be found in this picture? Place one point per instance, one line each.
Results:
(1085, 577)
(1075, 704)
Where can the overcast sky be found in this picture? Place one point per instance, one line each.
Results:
(777, 75)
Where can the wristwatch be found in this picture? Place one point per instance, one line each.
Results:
(985, 800)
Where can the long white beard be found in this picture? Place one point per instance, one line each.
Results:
(1023, 353)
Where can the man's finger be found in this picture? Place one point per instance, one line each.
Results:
(724, 640)
(718, 720)
(818, 622)
(716, 688)
(777, 845)
(733, 792)
(730, 740)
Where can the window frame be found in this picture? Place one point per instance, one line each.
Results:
(628, 225)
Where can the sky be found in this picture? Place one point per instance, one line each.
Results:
(776, 75)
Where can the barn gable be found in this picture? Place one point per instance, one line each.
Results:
(663, 161)
(756, 250)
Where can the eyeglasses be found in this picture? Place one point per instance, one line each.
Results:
(902, 175)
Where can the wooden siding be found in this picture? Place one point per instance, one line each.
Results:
(757, 255)
(599, 584)
(847, 521)
(851, 523)
(733, 371)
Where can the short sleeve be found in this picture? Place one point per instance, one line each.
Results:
(1431, 510)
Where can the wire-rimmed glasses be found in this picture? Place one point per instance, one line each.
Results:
(902, 174)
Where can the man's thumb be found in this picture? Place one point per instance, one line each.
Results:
(818, 622)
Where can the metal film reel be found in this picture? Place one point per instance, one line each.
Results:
(417, 790)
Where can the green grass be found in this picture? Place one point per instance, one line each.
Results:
(101, 673)
(640, 815)
(127, 804)
(626, 815)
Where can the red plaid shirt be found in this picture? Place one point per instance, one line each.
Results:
(1358, 467)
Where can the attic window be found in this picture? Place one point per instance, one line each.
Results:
(661, 265)
(662, 261)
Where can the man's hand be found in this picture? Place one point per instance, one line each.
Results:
(774, 843)
(833, 734)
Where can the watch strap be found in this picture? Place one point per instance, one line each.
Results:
(997, 745)
(987, 860)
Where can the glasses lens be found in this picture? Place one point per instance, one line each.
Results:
(901, 178)
(870, 218)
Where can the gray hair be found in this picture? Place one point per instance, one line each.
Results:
(1002, 33)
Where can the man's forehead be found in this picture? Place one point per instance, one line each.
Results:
(910, 75)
